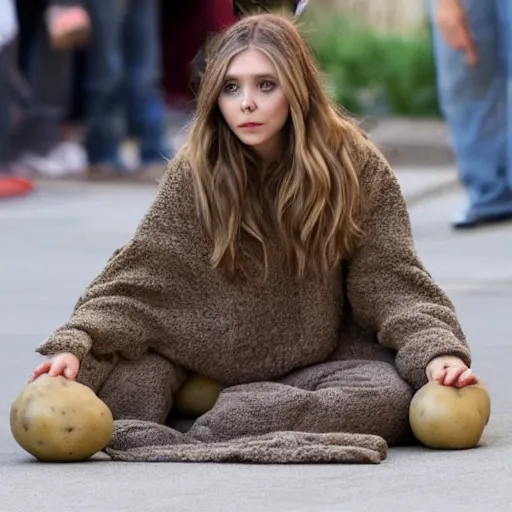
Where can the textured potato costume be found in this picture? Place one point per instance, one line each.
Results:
(315, 370)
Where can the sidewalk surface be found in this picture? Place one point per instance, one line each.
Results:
(412, 142)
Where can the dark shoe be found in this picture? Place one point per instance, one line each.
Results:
(472, 222)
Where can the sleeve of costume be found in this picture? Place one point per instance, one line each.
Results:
(389, 290)
(124, 309)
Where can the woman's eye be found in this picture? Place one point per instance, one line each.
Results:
(230, 88)
(266, 85)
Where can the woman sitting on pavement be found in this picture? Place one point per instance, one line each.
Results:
(276, 259)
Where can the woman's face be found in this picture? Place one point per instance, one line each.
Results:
(253, 103)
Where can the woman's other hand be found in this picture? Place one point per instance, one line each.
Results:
(450, 371)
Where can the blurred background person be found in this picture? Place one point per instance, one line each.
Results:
(95, 66)
(50, 30)
(473, 55)
(28, 129)
(122, 88)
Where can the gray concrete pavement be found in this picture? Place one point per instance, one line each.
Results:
(55, 241)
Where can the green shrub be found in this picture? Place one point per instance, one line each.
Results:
(369, 73)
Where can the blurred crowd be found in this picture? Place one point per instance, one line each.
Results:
(100, 88)
(80, 78)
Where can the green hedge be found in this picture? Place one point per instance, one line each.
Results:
(375, 74)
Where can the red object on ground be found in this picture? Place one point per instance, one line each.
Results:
(12, 186)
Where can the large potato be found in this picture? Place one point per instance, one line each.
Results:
(445, 417)
(197, 395)
(55, 419)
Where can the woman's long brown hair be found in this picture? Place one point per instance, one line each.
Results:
(306, 204)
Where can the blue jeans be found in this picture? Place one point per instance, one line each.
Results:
(122, 81)
(477, 105)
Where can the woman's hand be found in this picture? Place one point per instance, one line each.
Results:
(65, 364)
(452, 22)
(450, 371)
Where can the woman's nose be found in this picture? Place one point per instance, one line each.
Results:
(247, 103)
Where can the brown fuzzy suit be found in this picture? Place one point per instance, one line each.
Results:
(314, 371)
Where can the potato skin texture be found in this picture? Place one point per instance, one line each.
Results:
(197, 396)
(58, 420)
(445, 417)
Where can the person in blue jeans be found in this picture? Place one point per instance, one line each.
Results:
(473, 53)
(122, 84)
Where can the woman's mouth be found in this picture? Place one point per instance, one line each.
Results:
(249, 125)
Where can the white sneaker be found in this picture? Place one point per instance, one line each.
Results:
(74, 156)
(66, 159)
